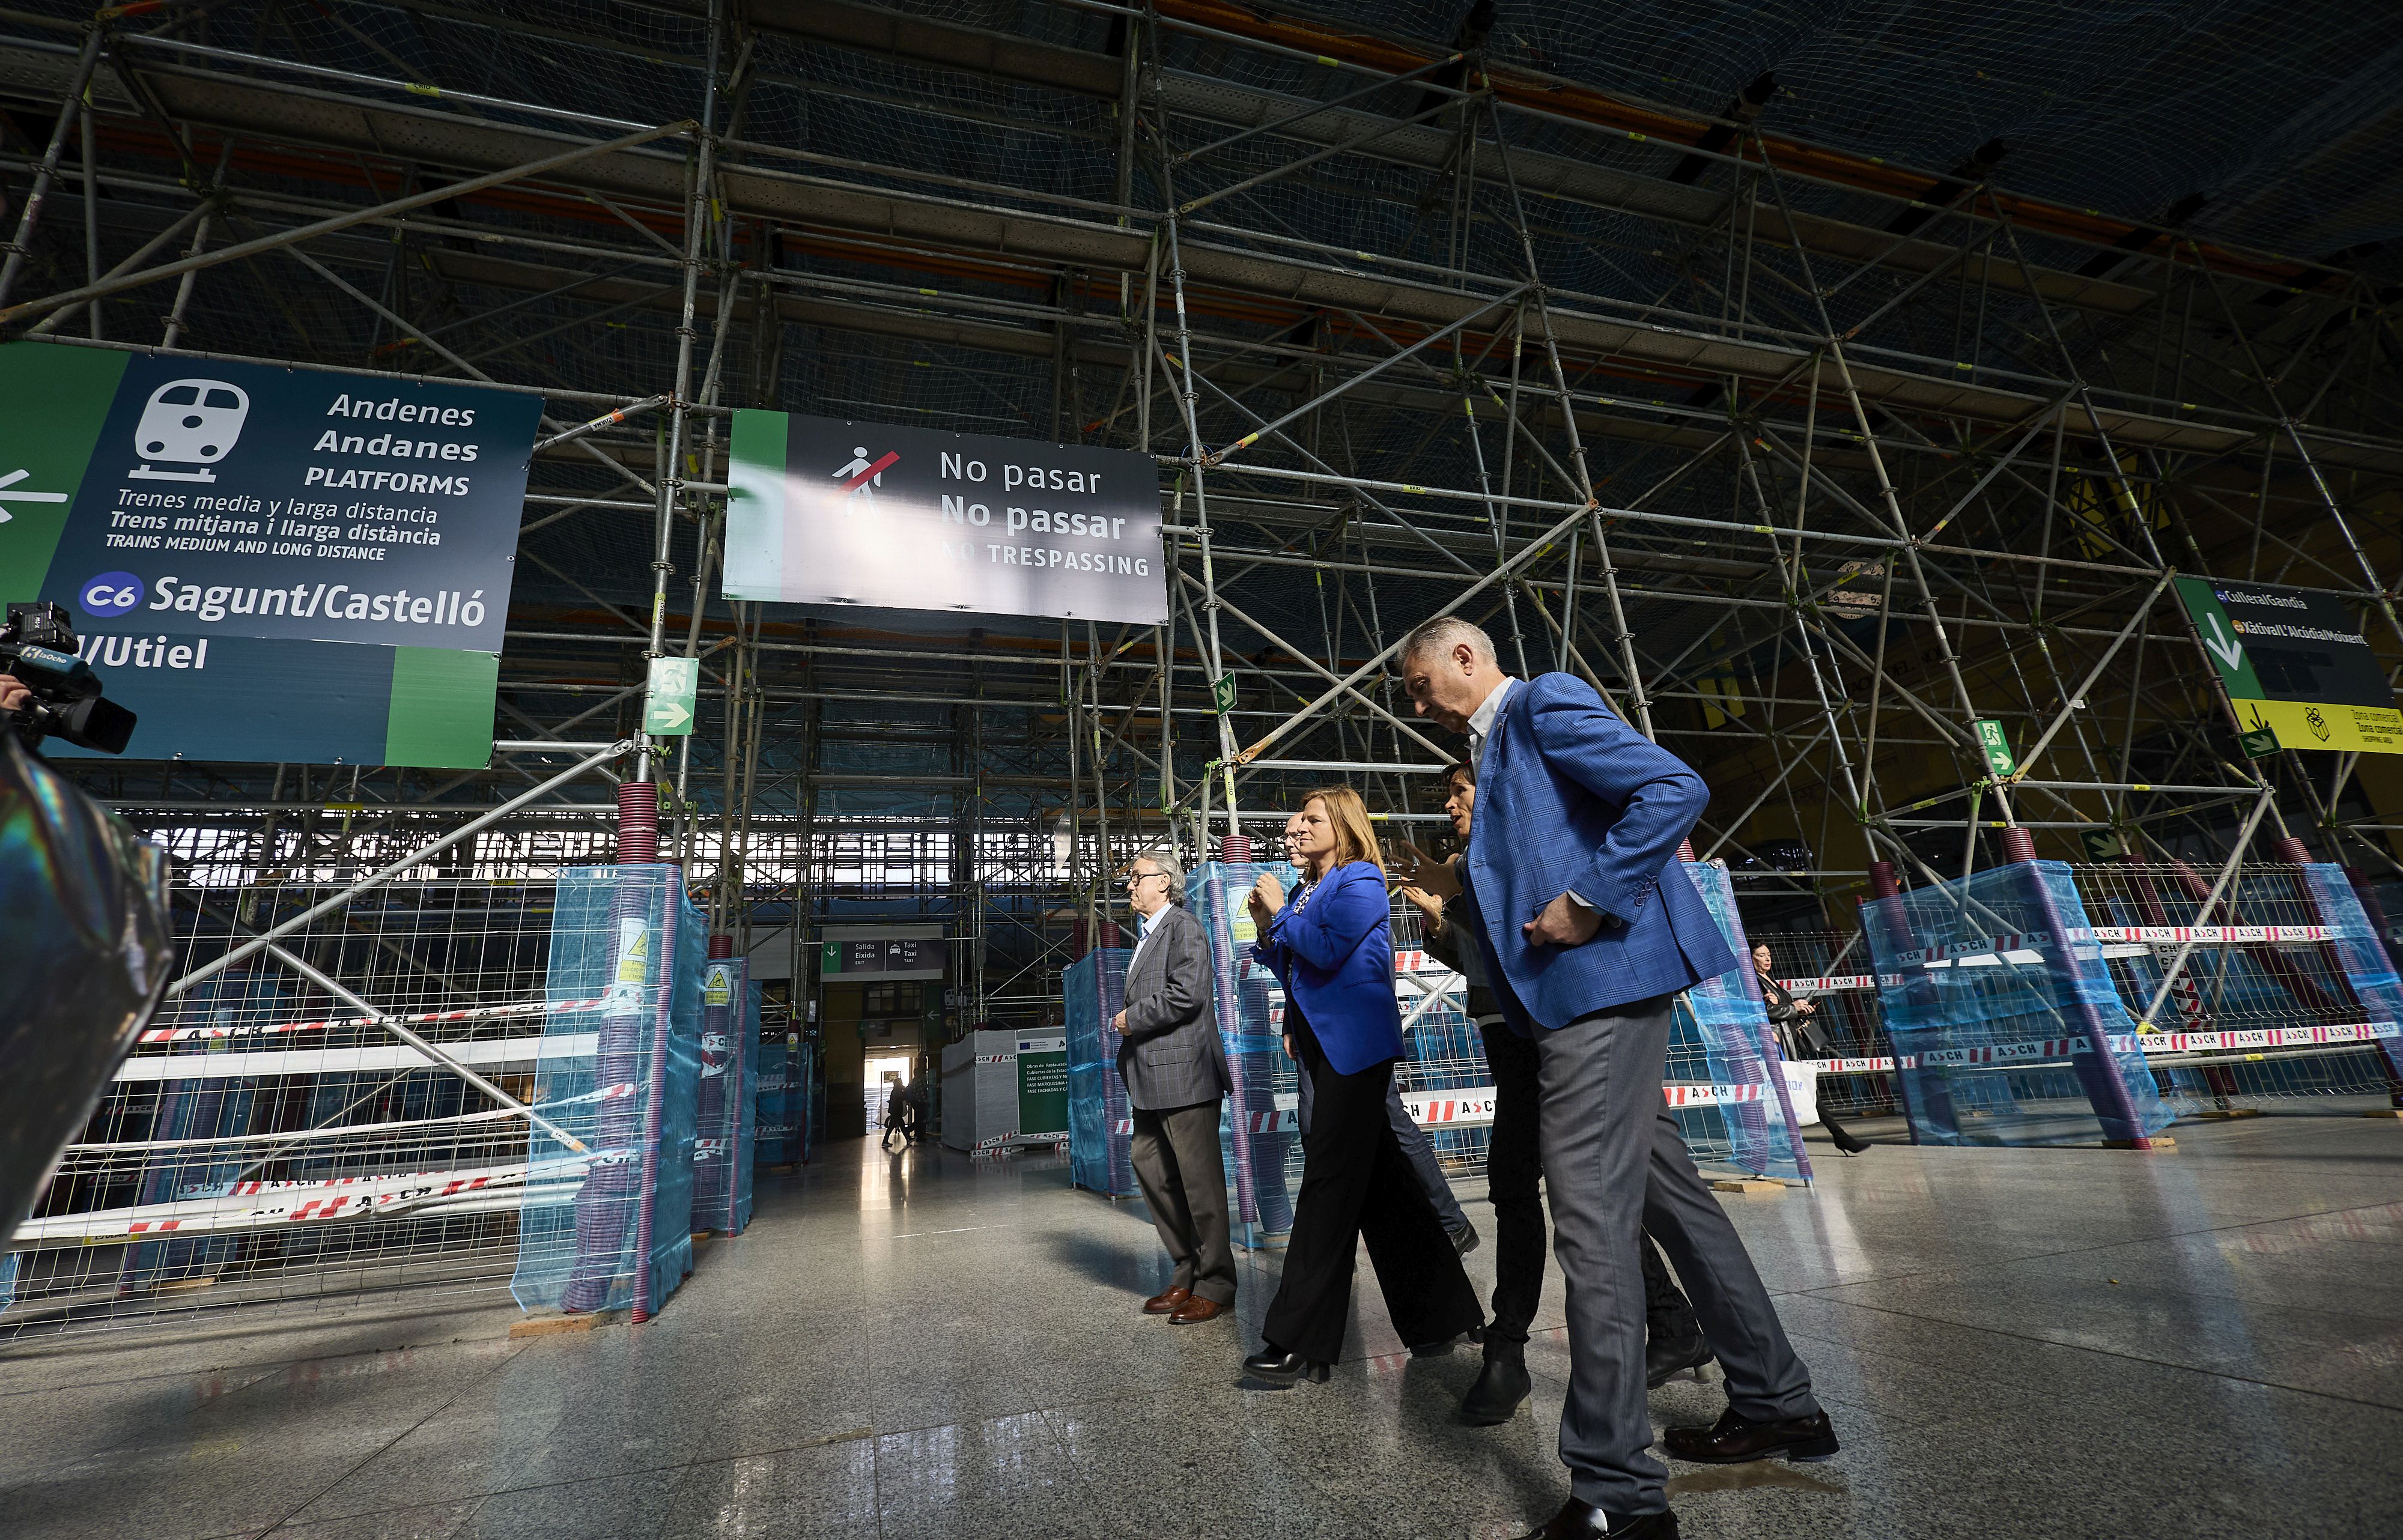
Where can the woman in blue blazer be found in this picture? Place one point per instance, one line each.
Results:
(1331, 946)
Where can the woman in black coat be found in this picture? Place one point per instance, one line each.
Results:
(1801, 1037)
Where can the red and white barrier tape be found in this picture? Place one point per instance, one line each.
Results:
(489, 1053)
(1711, 1096)
(2212, 935)
(2005, 945)
(1457, 1108)
(284, 1203)
(1831, 984)
(478, 1013)
(2262, 1037)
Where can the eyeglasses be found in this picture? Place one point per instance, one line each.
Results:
(1135, 877)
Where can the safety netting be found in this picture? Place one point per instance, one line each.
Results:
(607, 1219)
(1100, 1120)
(1262, 1133)
(1849, 1063)
(1725, 1080)
(777, 1127)
(2005, 1024)
(2282, 1000)
(1444, 1078)
(725, 1114)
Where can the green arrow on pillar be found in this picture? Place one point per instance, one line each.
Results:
(667, 705)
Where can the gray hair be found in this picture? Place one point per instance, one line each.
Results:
(1446, 631)
(1165, 859)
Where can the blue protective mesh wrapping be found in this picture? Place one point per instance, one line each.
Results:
(776, 1141)
(1725, 1078)
(808, 1076)
(747, 1100)
(2358, 950)
(235, 1001)
(2006, 1024)
(722, 1117)
(623, 1080)
(1443, 1051)
(1101, 1121)
(1260, 1135)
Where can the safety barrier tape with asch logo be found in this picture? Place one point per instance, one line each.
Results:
(477, 1013)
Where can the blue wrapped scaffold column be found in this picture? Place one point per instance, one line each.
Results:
(609, 1225)
(1263, 1130)
(1100, 1120)
(2369, 967)
(2006, 1025)
(721, 1168)
(1726, 1078)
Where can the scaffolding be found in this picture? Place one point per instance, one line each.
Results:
(1818, 437)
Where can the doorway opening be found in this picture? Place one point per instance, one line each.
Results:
(883, 1075)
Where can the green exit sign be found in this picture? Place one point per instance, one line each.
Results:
(1996, 747)
(667, 704)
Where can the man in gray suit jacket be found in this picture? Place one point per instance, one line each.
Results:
(1175, 1072)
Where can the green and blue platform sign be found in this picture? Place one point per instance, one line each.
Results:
(269, 563)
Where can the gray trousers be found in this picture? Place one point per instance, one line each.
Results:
(1183, 1175)
(1416, 1149)
(1616, 1168)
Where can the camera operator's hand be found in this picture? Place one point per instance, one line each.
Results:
(14, 696)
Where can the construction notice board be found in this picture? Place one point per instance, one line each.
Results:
(2296, 665)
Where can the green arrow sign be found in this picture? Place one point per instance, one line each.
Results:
(1222, 690)
(667, 707)
(1997, 749)
(2220, 638)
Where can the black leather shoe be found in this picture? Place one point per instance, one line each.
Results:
(1666, 1357)
(1849, 1142)
(1273, 1362)
(1732, 1440)
(1584, 1521)
(1463, 1240)
(1501, 1385)
(1474, 1336)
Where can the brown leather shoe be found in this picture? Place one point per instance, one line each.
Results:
(1732, 1439)
(1197, 1310)
(1163, 1304)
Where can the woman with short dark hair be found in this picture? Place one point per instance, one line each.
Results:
(1331, 945)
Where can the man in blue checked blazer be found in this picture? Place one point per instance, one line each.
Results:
(1590, 929)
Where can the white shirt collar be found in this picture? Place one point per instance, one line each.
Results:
(1154, 918)
(1480, 721)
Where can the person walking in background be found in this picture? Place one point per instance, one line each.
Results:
(1330, 944)
(1514, 1161)
(1588, 931)
(1174, 1067)
(897, 1113)
(1800, 1035)
(1416, 1147)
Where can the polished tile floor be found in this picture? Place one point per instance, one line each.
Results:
(2207, 1342)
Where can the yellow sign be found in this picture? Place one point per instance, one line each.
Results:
(2310, 725)
(2295, 665)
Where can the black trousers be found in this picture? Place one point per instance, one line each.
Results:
(1514, 1174)
(1357, 1186)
